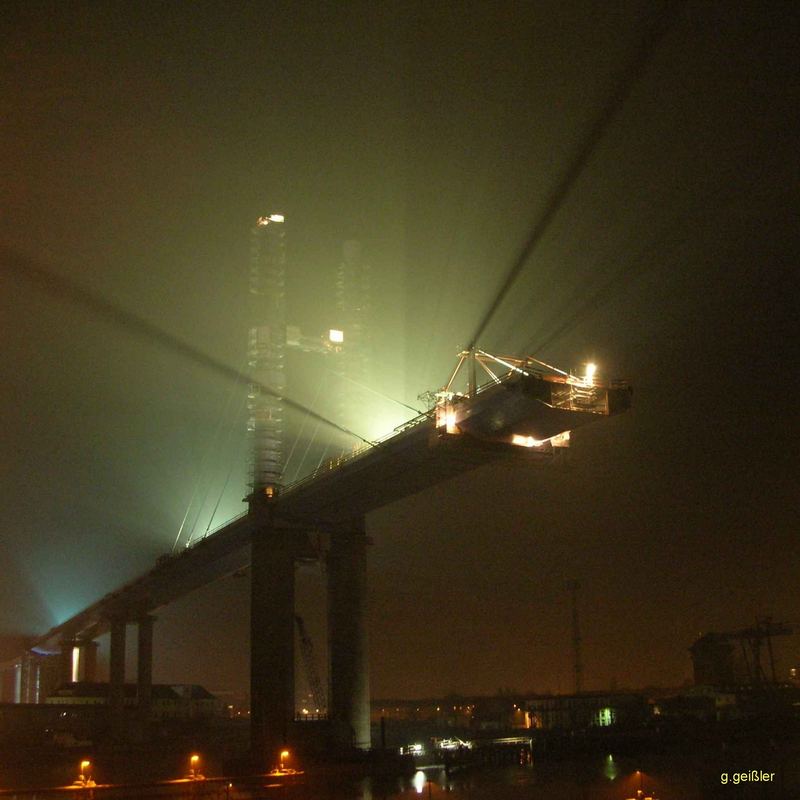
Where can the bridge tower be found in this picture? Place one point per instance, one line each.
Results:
(277, 544)
(266, 352)
(272, 556)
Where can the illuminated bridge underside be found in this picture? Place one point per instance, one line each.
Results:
(404, 465)
(419, 456)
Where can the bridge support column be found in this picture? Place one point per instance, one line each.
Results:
(18, 668)
(347, 633)
(87, 660)
(34, 679)
(27, 679)
(271, 643)
(66, 670)
(116, 677)
(144, 665)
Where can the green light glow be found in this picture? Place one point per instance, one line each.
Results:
(604, 717)
(383, 421)
(610, 769)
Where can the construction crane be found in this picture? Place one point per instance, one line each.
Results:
(753, 639)
(713, 654)
(307, 653)
(526, 403)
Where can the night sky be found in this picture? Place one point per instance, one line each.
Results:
(138, 144)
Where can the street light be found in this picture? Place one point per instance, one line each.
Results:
(194, 766)
(85, 776)
(284, 756)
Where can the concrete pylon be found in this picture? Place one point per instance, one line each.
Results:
(144, 665)
(271, 643)
(18, 682)
(28, 679)
(347, 634)
(87, 660)
(65, 656)
(116, 677)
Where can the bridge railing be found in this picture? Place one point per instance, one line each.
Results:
(357, 452)
(360, 450)
(325, 468)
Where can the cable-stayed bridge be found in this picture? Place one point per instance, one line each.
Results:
(525, 412)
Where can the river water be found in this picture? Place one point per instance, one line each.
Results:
(603, 778)
(692, 775)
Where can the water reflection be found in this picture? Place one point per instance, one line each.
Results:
(610, 769)
(605, 777)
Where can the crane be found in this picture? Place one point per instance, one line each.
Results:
(753, 639)
(307, 653)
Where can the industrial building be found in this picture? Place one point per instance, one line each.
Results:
(573, 712)
(181, 701)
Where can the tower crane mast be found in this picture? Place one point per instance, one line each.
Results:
(310, 665)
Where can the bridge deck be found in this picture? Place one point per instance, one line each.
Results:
(416, 457)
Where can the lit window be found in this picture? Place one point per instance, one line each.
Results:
(605, 717)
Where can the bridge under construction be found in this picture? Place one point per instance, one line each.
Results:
(524, 412)
(491, 408)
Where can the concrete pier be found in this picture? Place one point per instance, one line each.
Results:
(347, 633)
(144, 665)
(116, 677)
(26, 685)
(18, 687)
(65, 665)
(272, 643)
(87, 660)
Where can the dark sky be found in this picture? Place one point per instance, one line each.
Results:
(140, 142)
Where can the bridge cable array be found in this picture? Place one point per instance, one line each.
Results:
(619, 95)
(212, 447)
(64, 289)
(234, 458)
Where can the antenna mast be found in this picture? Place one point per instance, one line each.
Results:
(573, 586)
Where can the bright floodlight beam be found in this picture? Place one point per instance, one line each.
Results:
(335, 336)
